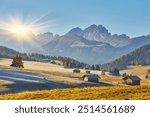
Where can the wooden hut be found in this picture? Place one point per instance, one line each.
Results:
(76, 71)
(88, 71)
(91, 77)
(132, 80)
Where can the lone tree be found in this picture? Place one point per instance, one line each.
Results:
(116, 72)
(17, 61)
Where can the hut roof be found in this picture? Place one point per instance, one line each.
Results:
(134, 78)
(91, 76)
(76, 70)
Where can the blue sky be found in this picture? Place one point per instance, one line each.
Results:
(131, 17)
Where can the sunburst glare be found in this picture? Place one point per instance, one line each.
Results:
(23, 29)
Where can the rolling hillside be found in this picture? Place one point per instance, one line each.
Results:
(140, 56)
(7, 52)
(63, 61)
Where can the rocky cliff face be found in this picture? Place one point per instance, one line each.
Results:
(101, 34)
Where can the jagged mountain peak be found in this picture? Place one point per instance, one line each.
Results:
(100, 33)
(76, 31)
(93, 26)
(97, 33)
(99, 28)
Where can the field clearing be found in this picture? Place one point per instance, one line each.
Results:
(66, 76)
(112, 79)
(47, 67)
(53, 73)
(93, 93)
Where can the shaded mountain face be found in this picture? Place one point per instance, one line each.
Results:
(80, 48)
(94, 45)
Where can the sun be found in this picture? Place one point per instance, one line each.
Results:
(21, 31)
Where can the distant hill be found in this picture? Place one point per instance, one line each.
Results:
(7, 52)
(140, 56)
(65, 61)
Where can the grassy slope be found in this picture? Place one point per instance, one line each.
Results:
(137, 70)
(94, 93)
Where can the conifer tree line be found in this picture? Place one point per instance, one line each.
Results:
(140, 56)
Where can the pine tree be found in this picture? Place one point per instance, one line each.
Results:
(17, 62)
(116, 72)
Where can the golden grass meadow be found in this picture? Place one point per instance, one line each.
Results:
(78, 89)
(95, 93)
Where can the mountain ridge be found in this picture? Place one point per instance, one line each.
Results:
(94, 44)
(111, 47)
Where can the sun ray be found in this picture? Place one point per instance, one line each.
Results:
(23, 29)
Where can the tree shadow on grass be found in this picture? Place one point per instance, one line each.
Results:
(21, 82)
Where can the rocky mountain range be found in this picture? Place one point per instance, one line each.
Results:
(94, 45)
(101, 34)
